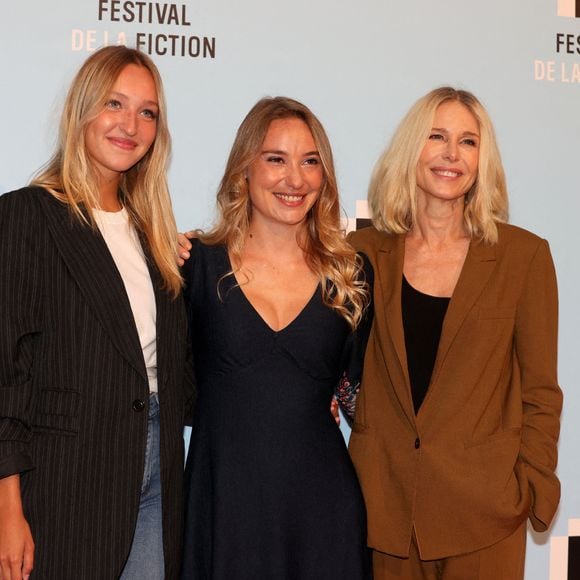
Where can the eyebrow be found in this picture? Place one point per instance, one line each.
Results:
(147, 102)
(280, 152)
(447, 131)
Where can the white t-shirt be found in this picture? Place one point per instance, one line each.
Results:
(124, 245)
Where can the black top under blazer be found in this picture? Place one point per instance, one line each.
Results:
(72, 383)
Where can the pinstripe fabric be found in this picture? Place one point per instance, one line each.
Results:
(70, 368)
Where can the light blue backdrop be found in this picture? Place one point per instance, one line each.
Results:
(359, 66)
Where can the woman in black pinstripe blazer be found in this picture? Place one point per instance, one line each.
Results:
(93, 378)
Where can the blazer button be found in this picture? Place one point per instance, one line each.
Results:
(138, 405)
(417, 443)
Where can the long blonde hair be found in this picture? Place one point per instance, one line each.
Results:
(392, 190)
(71, 176)
(327, 252)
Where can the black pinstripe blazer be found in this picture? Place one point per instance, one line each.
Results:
(71, 376)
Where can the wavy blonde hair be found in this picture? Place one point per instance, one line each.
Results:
(71, 176)
(327, 252)
(392, 191)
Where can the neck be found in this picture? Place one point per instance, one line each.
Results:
(279, 243)
(440, 221)
(109, 195)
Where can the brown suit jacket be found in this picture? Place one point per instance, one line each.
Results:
(480, 455)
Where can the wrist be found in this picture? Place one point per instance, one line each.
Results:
(10, 499)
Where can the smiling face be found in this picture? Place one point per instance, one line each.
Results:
(286, 177)
(447, 167)
(122, 133)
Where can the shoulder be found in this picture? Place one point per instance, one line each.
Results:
(518, 253)
(516, 241)
(25, 197)
(370, 243)
(24, 230)
(31, 199)
(203, 257)
(201, 251)
(370, 240)
(510, 234)
(22, 208)
(365, 235)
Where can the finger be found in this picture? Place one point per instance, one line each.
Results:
(16, 569)
(28, 563)
(5, 567)
(190, 234)
(183, 242)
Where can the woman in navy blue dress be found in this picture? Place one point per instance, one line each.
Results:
(274, 295)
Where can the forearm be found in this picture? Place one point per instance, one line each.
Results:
(21, 312)
(10, 500)
(16, 543)
(536, 350)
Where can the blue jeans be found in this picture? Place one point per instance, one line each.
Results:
(145, 560)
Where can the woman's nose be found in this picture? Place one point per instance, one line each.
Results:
(294, 177)
(129, 123)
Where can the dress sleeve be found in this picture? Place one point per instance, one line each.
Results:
(536, 338)
(354, 351)
(20, 327)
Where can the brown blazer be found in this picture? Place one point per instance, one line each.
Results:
(480, 455)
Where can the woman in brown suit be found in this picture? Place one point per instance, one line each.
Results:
(457, 422)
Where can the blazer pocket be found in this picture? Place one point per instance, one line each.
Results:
(57, 412)
(500, 436)
(496, 313)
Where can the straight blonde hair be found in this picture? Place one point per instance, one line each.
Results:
(392, 192)
(327, 252)
(70, 175)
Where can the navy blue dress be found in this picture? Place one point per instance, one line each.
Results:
(271, 491)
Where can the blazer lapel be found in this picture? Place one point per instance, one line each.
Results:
(91, 265)
(478, 266)
(389, 274)
(162, 317)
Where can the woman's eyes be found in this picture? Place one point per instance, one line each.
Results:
(149, 114)
(280, 160)
(116, 105)
(465, 141)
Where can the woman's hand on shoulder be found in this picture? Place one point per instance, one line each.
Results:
(183, 248)
(16, 543)
(334, 410)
